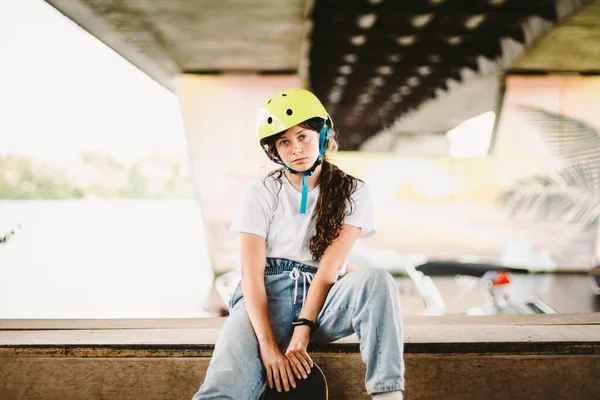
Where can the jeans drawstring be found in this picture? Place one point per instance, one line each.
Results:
(306, 276)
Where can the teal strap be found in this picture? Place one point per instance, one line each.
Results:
(304, 194)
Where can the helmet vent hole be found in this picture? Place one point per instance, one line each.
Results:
(283, 94)
(270, 120)
(289, 111)
(269, 101)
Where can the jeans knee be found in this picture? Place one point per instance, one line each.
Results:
(378, 276)
(379, 283)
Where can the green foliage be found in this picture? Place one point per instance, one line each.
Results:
(572, 193)
(98, 175)
(573, 141)
(24, 178)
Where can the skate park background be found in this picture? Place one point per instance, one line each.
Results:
(126, 210)
(127, 136)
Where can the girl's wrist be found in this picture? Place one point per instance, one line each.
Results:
(305, 322)
(266, 341)
(302, 329)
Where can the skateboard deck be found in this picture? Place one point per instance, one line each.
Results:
(314, 387)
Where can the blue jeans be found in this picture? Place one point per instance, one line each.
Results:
(365, 302)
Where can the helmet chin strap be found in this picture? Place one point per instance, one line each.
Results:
(323, 140)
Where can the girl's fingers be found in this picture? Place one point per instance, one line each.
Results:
(290, 375)
(309, 359)
(297, 366)
(284, 377)
(269, 377)
(305, 361)
(276, 378)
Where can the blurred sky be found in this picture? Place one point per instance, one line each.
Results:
(62, 92)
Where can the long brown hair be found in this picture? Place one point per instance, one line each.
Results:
(335, 195)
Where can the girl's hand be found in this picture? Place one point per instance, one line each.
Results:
(300, 361)
(277, 366)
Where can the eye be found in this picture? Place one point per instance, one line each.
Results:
(302, 136)
(283, 142)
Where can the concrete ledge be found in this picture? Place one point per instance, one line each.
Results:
(204, 323)
(450, 357)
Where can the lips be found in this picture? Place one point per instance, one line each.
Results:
(299, 159)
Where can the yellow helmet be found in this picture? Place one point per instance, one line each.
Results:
(286, 109)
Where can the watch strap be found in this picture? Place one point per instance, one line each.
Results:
(304, 321)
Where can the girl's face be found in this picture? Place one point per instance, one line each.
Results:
(298, 147)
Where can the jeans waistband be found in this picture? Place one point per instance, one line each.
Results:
(275, 266)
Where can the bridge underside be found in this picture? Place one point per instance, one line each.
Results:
(372, 62)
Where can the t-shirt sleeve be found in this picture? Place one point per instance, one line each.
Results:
(253, 213)
(361, 213)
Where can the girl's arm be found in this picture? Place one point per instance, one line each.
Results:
(330, 265)
(253, 256)
(277, 366)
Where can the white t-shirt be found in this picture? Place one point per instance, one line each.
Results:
(287, 232)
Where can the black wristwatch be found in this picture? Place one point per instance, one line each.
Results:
(304, 321)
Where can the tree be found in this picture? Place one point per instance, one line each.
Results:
(572, 193)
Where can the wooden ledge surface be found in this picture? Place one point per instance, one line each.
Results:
(209, 323)
(552, 334)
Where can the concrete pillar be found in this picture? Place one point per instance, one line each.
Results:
(219, 112)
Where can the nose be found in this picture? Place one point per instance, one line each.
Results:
(296, 148)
